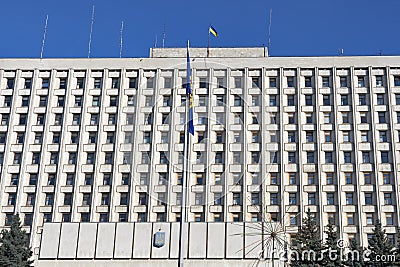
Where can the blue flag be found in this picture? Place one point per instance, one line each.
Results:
(189, 93)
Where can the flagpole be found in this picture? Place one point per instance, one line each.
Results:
(208, 46)
(182, 232)
(44, 36)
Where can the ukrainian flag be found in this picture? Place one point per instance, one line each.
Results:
(189, 94)
(213, 31)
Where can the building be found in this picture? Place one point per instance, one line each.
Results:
(101, 140)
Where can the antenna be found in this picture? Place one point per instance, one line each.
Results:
(91, 31)
(269, 31)
(155, 42)
(163, 37)
(44, 36)
(120, 39)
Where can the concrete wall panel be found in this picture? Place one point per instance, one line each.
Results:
(234, 240)
(68, 240)
(216, 240)
(105, 240)
(87, 240)
(197, 240)
(253, 240)
(50, 240)
(124, 240)
(162, 252)
(174, 241)
(142, 240)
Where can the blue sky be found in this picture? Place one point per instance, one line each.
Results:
(308, 27)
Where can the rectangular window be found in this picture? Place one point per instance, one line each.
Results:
(290, 81)
(361, 81)
(307, 81)
(272, 82)
(343, 81)
(325, 81)
(379, 81)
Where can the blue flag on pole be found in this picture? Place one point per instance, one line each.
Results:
(189, 93)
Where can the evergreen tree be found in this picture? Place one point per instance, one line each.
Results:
(355, 258)
(397, 250)
(14, 249)
(379, 246)
(334, 258)
(308, 251)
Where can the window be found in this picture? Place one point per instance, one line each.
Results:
(368, 198)
(292, 199)
(307, 81)
(90, 158)
(42, 101)
(45, 83)
(387, 198)
(56, 138)
(330, 199)
(272, 100)
(113, 101)
(328, 157)
(370, 218)
(381, 117)
(72, 158)
(396, 80)
(238, 101)
(327, 117)
(290, 81)
(238, 82)
(309, 137)
(383, 136)
(350, 219)
(96, 101)
(273, 199)
(292, 157)
(60, 101)
(363, 117)
(203, 82)
(386, 178)
(310, 178)
(365, 157)
(389, 218)
(273, 82)
(290, 100)
(311, 199)
(309, 117)
(255, 82)
(94, 119)
(328, 136)
(7, 101)
(25, 101)
(309, 101)
(291, 137)
(236, 199)
(28, 83)
(364, 136)
(367, 178)
(380, 100)
(361, 81)
(349, 198)
(310, 157)
(114, 82)
(362, 99)
(202, 101)
(132, 82)
(80, 83)
(78, 101)
(255, 137)
(346, 136)
(220, 82)
(344, 100)
(97, 82)
(273, 118)
(273, 178)
(379, 81)
(274, 157)
(76, 119)
(345, 117)
(292, 178)
(291, 118)
(325, 81)
(348, 177)
(384, 157)
(343, 81)
(329, 178)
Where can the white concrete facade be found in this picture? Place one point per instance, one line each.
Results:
(100, 140)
